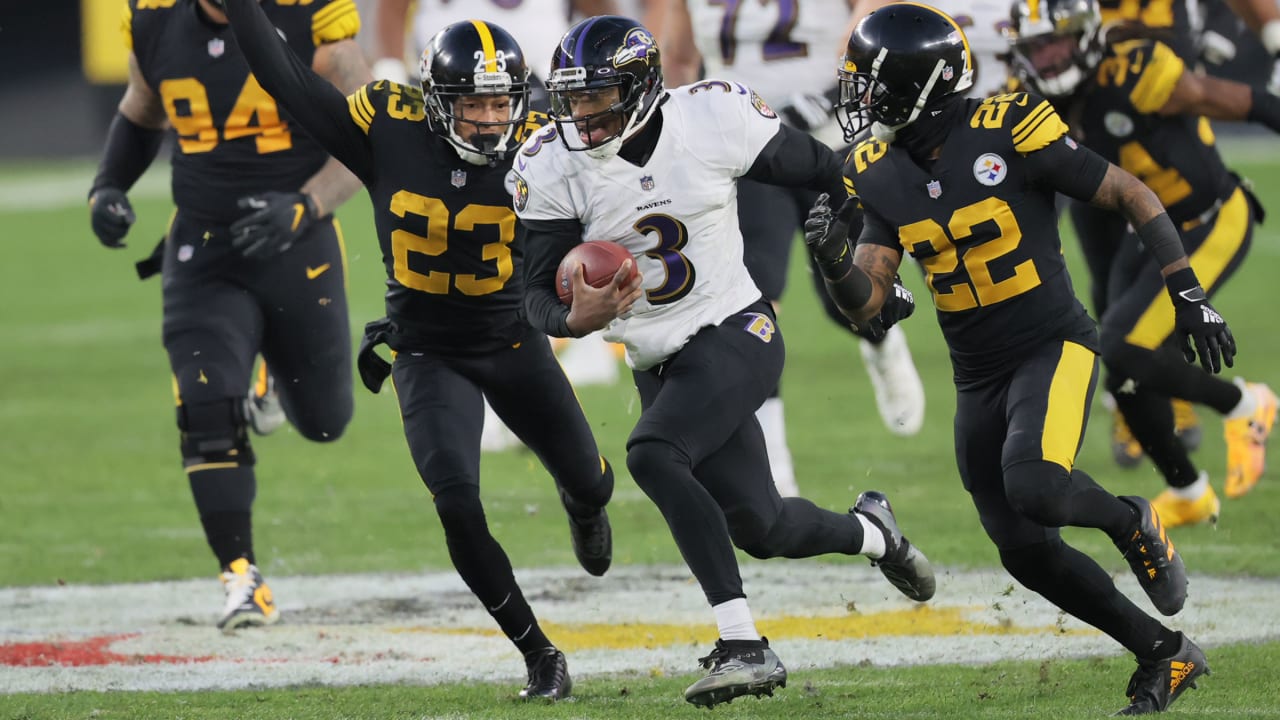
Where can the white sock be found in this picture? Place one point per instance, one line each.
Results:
(1195, 490)
(1248, 404)
(773, 425)
(872, 538)
(734, 620)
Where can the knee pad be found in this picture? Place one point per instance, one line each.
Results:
(214, 432)
(1037, 489)
(460, 510)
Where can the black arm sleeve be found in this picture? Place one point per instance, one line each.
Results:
(313, 102)
(546, 242)
(130, 150)
(793, 158)
(1069, 168)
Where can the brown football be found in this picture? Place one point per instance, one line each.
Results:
(600, 262)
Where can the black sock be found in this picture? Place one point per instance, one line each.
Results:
(230, 536)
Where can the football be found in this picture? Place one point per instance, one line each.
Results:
(600, 262)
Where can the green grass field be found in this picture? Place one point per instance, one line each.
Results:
(93, 492)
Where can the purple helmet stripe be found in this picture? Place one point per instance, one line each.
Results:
(582, 38)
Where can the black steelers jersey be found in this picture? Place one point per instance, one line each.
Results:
(1118, 117)
(232, 138)
(1172, 18)
(981, 223)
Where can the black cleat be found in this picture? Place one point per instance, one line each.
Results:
(903, 564)
(548, 676)
(1154, 560)
(738, 667)
(592, 539)
(1157, 683)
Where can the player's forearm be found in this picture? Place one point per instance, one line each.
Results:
(545, 245)
(331, 186)
(130, 149)
(342, 63)
(389, 22)
(793, 158)
(679, 54)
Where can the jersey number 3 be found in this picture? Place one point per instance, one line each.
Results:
(186, 102)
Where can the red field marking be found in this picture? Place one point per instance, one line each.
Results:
(83, 653)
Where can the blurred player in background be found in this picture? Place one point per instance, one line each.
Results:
(1138, 105)
(435, 160)
(781, 50)
(252, 260)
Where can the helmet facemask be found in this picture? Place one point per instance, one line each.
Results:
(866, 100)
(1054, 49)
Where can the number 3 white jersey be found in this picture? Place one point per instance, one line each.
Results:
(775, 47)
(536, 24)
(678, 215)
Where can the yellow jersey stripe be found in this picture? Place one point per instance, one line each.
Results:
(1159, 77)
(486, 45)
(848, 187)
(1210, 260)
(1064, 417)
(1046, 130)
(339, 21)
(1032, 118)
(360, 109)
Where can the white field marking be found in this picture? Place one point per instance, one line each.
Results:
(423, 629)
(70, 187)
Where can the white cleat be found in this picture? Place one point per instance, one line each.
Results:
(589, 360)
(899, 392)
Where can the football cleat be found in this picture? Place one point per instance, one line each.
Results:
(592, 538)
(737, 667)
(263, 407)
(1175, 510)
(249, 601)
(903, 564)
(1247, 441)
(1154, 560)
(1186, 425)
(899, 392)
(1157, 683)
(1125, 449)
(548, 676)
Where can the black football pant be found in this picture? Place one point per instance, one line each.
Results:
(698, 453)
(1016, 437)
(1144, 364)
(220, 312)
(442, 405)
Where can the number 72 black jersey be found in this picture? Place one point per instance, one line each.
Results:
(232, 138)
(981, 222)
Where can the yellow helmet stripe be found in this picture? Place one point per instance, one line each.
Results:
(486, 44)
(968, 54)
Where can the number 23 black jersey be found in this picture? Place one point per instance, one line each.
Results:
(981, 223)
(232, 138)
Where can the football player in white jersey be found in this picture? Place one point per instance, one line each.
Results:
(783, 49)
(656, 171)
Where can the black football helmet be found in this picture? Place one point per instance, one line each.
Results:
(599, 53)
(1037, 24)
(899, 59)
(470, 58)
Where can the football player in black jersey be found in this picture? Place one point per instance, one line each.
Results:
(968, 187)
(1137, 105)
(435, 162)
(253, 259)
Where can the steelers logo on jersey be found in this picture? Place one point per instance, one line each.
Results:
(989, 169)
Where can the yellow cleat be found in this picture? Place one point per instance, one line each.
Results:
(1186, 424)
(1124, 446)
(1247, 441)
(1174, 510)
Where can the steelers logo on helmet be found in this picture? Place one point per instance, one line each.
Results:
(475, 86)
(605, 83)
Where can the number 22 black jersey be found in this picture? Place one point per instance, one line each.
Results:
(232, 139)
(981, 223)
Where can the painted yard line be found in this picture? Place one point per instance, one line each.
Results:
(420, 629)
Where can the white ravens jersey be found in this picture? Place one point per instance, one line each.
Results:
(983, 22)
(536, 24)
(677, 215)
(775, 47)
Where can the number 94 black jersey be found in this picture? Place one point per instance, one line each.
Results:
(232, 138)
(981, 222)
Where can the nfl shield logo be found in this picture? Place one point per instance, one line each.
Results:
(948, 73)
(646, 182)
(217, 47)
(935, 189)
(458, 179)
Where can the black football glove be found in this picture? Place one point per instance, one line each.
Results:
(276, 223)
(110, 215)
(898, 306)
(826, 233)
(1197, 322)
